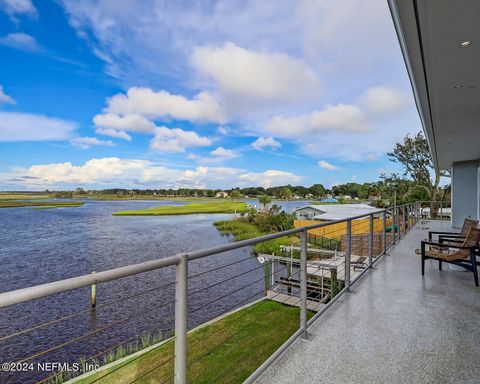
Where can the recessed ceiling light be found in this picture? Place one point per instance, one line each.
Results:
(471, 86)
(455, 110)
(458, 86)
(464, 44)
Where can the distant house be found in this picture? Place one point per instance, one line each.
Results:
(221, 195)
(333, 212)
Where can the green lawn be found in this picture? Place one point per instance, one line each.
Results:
(39, 204)
(187, 209)
(227, 351)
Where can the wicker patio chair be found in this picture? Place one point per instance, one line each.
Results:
(463, 255)
(456, 236)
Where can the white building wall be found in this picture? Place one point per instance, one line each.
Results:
(465, 191)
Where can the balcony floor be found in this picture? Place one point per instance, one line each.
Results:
(395, 326)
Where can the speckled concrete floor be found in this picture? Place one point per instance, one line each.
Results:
(394, 327)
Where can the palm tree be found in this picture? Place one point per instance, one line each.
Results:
(264, 200)
(286, 193)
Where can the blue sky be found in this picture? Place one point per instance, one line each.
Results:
(198, 93)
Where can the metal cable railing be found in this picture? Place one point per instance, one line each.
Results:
(316, 272)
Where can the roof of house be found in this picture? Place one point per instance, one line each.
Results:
(340, 211)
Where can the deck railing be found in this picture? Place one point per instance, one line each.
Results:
(304, 275)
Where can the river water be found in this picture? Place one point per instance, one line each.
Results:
(40, 246)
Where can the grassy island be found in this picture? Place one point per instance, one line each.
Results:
(188, 209)
(39, 204)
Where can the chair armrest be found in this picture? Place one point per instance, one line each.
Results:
(441, 245)
(441, 239)
(430, 233)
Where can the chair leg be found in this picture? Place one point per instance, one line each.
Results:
(474, 266)
(439, 265)
(423, 257)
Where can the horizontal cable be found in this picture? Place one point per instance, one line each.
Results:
(223, 281)
(122, 343)
(218, 268)
(93, 333)
(153, 369)
(228, 294)
(236, 348)
(73, 315)
(232, 307)
(229, 338)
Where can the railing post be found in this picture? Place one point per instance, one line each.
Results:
(404, 210)
(303, 283)
(370, 255)
(385, 232)
(407, 218)
(441, 213)
(348, 252)
(394, 223)
(181, 321)
(94, 295)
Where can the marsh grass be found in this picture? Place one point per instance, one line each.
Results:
(188, 209)
(40, 204)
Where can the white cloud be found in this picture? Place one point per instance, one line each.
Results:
(383, 99)
(145, 102)
(177, 140)
(326, 165)
(224, 153)
(109, 124)
(270, 178)
(20, 41)
(18, 7)
(265, 142)
(339, 117)
(87, 142)
(30, 127)
(112, 132)
(352, 132)
(128, 173)
(4, 98)
(222, 130)
(244, 74)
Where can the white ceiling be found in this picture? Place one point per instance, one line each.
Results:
(430, 32)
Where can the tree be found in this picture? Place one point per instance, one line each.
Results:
(286, 193)
(414, 155)
(264, 200)
(234, 195)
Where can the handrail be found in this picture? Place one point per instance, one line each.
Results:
(48, 289)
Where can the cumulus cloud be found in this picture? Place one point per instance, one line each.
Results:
(326, 165)
(339, 117)
(224, 153)
(245, 74)
(31, 127)
(349, 131)
(4, 98)
(270, 178)
(87, 142)
(136, 173)
(117, 126)
(265, 142)
(18, 7)
(177, 140)
(145, 102)
(20, 41)
(381, 99)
